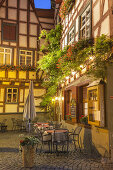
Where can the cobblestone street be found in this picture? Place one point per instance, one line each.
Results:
(11, 158)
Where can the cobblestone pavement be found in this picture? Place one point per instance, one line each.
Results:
(11, 158)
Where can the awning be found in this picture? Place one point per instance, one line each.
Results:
(95, 83)
(83, 80)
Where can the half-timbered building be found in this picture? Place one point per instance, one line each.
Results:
(20, 26)
(83, 95)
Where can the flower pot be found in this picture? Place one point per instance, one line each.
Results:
(28, 156)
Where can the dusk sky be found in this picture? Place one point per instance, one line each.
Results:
(45, 4)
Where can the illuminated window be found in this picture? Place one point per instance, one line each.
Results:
(85, 23)
(25, 57)
(5, 56)
(12, 95)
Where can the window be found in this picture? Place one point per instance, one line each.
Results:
(9, 32)
(5, 56)
(71, 35)
(85, 23)
(68, 98)
(25, 57)
(12, 95)
(96, 105)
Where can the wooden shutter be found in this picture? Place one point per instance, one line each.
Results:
(9, 32)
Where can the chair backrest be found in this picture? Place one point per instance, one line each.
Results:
(77, 130)
(60, 137)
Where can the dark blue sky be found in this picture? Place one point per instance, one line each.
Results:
(45, 4)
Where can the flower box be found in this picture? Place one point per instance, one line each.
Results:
(58, 1)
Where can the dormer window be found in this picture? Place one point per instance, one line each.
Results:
(25, 57)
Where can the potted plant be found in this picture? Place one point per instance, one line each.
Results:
(28, 150)
(84, 119)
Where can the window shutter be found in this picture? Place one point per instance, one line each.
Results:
(9, 32)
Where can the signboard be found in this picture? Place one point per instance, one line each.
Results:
(73, 108)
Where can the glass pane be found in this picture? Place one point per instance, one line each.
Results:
(14, 90)
(22, 60)
(29, 53)
(7, 59)
(1, 58)
(28, 62)
(9, 90)
(9, 98)
(7, 50)
(14, 98)
(22, 52)
(1, 49)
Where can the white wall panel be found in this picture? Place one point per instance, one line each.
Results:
(23, 4)
(96, 13)
(12, 14)
(39, 92)
(23, 15)
(12, 3)
(105, 7)
(23, 41)
(33, 17)
(105, 27)
(33, 29)
(33, 42)
(11, 108)
(2, 12)
(23, 28)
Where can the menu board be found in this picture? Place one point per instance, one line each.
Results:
(73, 108)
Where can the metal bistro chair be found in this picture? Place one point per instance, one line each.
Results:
(3, 125)
(74, 137)
(46, 141)
(60, 139)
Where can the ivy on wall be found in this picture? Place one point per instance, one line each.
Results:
(57, 63)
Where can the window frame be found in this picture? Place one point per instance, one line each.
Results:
(10, 24)
(26, 57)
(4, 57)
(12, 101)
(93, 88)
(88, 7)
(72, 33)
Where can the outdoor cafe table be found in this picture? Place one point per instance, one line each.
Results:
(41, 125)
(59, 132)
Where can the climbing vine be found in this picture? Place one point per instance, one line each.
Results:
(57, 63)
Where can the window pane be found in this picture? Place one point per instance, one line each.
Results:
(7, 59)
(9, 98)
(14, 98)
(1, 58)
(14, 90)
(9, 90)
(22, 52)
(29, 53)
(22, 60)
(28, 62)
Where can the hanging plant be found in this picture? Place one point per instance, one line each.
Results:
(65, 8)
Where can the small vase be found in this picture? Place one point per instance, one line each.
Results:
(28, 156)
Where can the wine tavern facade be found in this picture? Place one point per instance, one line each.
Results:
(82, 95)
(20, 26)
